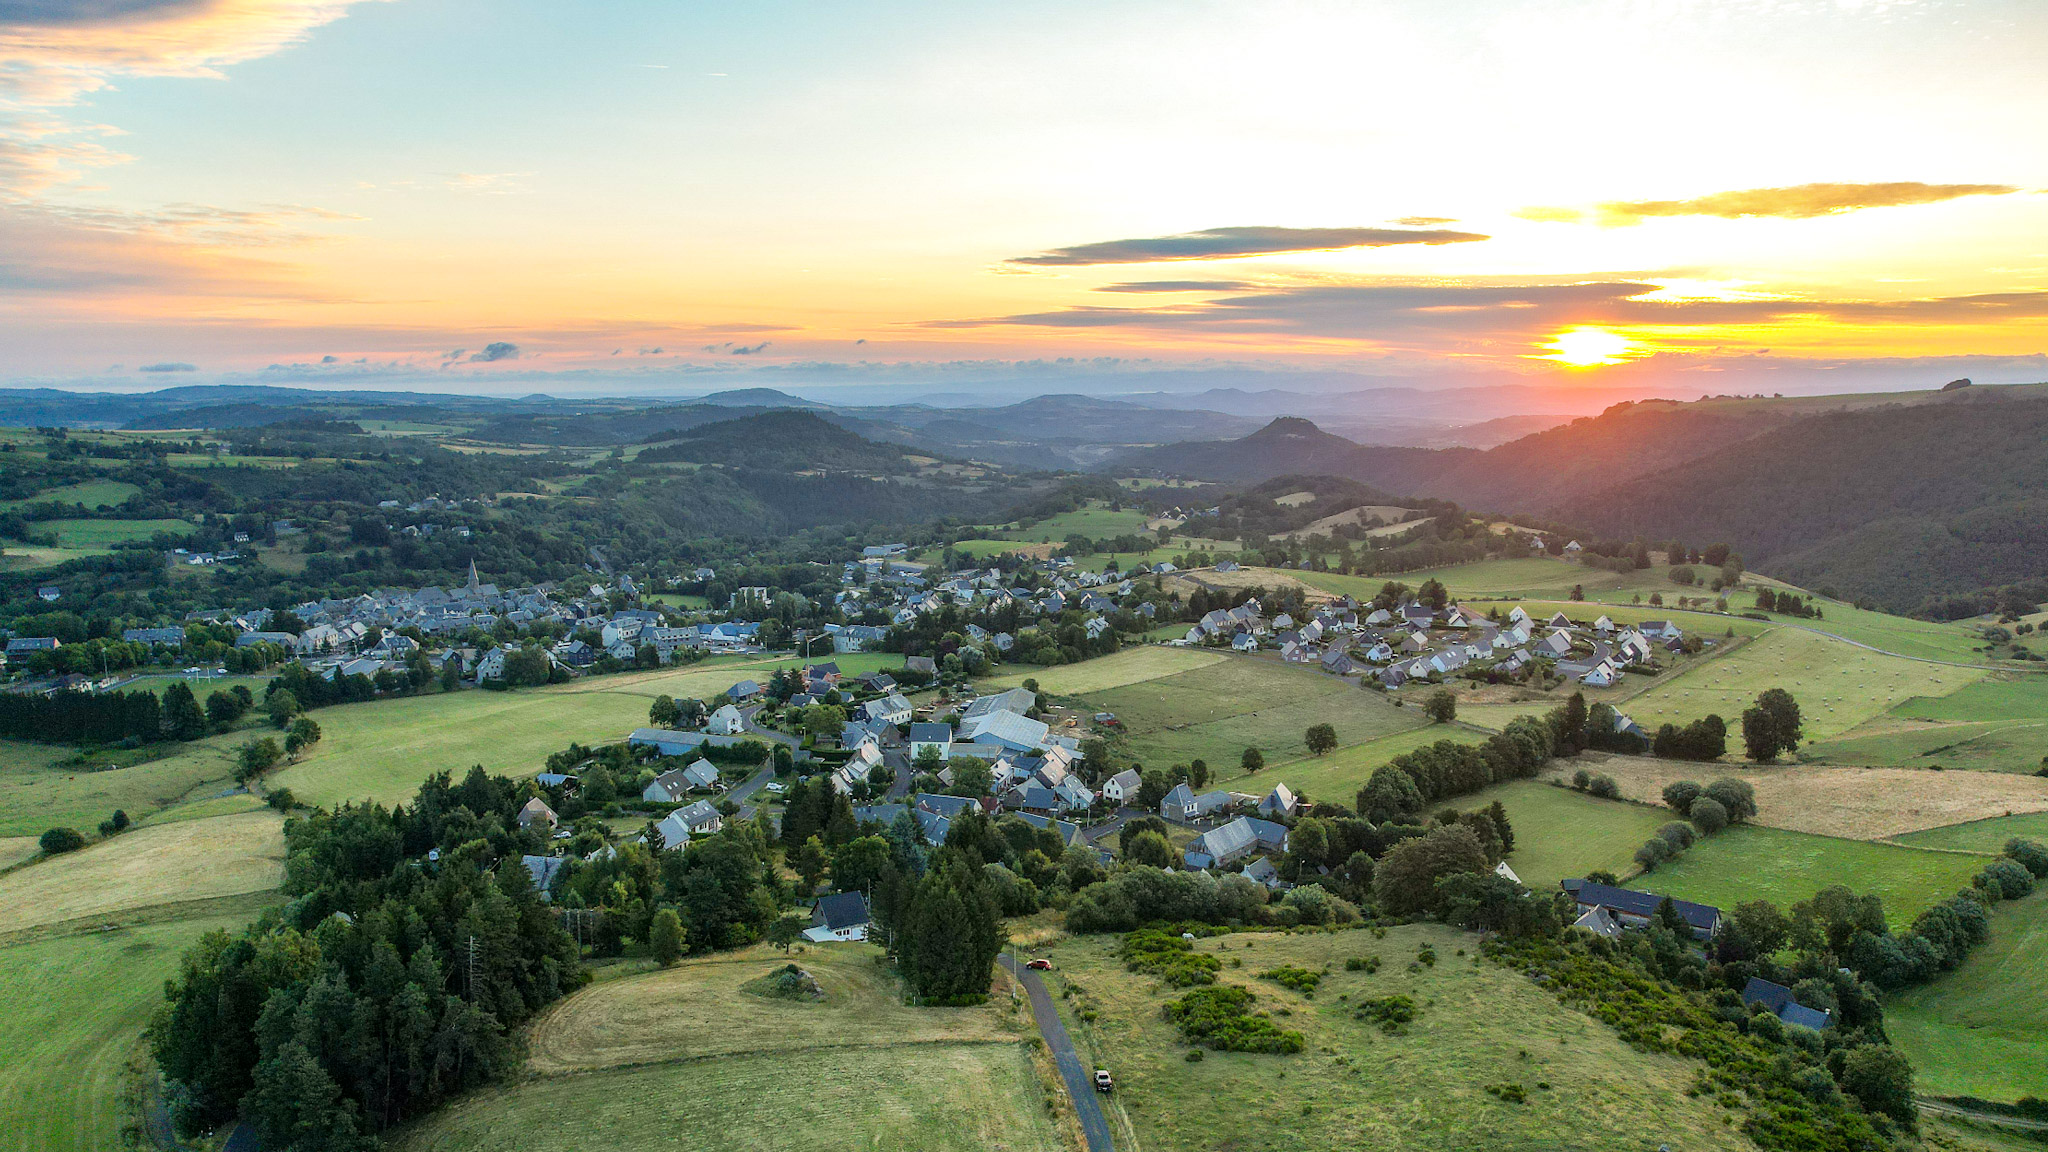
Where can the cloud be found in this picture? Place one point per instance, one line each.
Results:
(750, 349)
(168, 366)
(1231, 243)
(494, 351)
(1425, 221)
(1797, 202)
(489, 183)
(1177, 286)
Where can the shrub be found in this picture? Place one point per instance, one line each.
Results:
(1678, 834)
(281, 799)
(2009, 879)
(2029, 854)
(1734, 795)
(1302, 980)
(1679, 796)
(1708, 815)
(1221, 1018)
(1392, 1013)
(1365, 964)
(1508, 1093)
(115, 824)
(1604, 787)
(60, 840)
(1581, 779)
(1168, 957)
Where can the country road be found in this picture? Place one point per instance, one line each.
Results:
(1943, 1108)
(1075, 1073)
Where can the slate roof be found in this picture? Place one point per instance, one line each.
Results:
(1700, 917)
(1778, 999)
(841, 910)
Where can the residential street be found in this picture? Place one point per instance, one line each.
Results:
(1073, 1071)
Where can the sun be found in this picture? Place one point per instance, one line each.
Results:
(1586, 347)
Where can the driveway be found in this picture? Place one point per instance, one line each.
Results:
(1073, 1071)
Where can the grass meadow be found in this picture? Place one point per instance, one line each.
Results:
(94, 494)
(1125, 667)
(1838, 686)
(147, 867)
(76, 1006)
(1747, 862)
(1217, 711)
(1982, 835)
(39, 789)
(632, 1062)
(1982, 1030)
(1336, 778)
(101, 534)
(1560, 834)
(1354, 1086)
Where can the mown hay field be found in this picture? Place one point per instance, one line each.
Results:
(76, 1006)
(1354, 1086)
(1856, 803)
(1561, 834)
(1129, 666)
(1837, 685)
(1982, 1030)
(1336, 778)
(1747, 862)
(156, 864)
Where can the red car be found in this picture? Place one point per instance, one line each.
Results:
(1040, 965)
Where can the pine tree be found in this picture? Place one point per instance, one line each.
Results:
(182, 717)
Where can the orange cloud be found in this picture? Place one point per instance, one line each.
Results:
(1797, 202)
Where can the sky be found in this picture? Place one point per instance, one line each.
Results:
(644, 193)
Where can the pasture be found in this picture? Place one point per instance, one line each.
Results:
(76, 1009)
(1217, 711)
(104, 534)
(1561, 834)
(2014, 746)
(1354, 1086)
(41, 786)
(1747, 862)
(1982, 835)
(1853, 803)
(1093, 521)
(1336, 778)
(144, 867)
(93, 494)
(1982, 1030)
(1838, 686)
(699, 1048)
(1129, 666)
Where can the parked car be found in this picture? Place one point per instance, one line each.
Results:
(1102, 1080)
(775, 786)
(1041, 964)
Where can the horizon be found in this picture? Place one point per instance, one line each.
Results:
(360, 194)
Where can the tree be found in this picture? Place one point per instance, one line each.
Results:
(255, 757)
(1252, 760)
(1433, 594)
(58, 841)
(859, 863)
(1389, 793)
(1771, 725)
(1573, 737)
(1708, 815)
(665, 938)
(223, 709)
(1759, 927)
(1132, 829)
(663, 713)
(1441, 706)
(1198, 774)
(182, 717)
(1668, 917)
(1321, 739)
(1149, 848)
(972, 776)
(785, 931)
(810, 863)
(1498, 813)
(282, 705)
(952, 932)
(1881, 1079)
(1404, 880)
(304, 733)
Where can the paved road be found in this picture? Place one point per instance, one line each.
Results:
(1077, 1075)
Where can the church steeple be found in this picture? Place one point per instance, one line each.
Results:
(475, 585)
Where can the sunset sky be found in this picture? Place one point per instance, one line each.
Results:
(465, 195)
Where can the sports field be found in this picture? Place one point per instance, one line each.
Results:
(1838, 685)
(1982, 1030)
(76, 1006)
(144, 867)
(1129, 666)
(1747, 862)
(1354, 1086)
(700, 1049)
(1217, 711)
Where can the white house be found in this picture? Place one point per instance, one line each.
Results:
(727, 721)
(935, 736)
(696, 820)
(840, 916)
(1122, 788)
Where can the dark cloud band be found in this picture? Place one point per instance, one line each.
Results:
(1230, 243)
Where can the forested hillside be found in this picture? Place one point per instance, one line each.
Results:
(1899, 504)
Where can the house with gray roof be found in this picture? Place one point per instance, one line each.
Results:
(1778, 1000)
(1238, 838)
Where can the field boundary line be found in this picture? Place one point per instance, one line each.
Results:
(144, 916)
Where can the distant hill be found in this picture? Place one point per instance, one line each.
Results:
(785, 440)
(1901, 503)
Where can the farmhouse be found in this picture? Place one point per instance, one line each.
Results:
(726, 721)
(1183, 806)
(840, 916)
(1778, 999)
(1636, 909)
(1240, 837)
(537, 812)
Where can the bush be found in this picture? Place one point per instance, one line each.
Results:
(1734, 795)
(1678, 834)
(1679, 796)
(1221, 1018)
(1302, 980)
(2029, 854)
(115, 824)
(1604, 787)
(2009, 879)
(282, 799)
(1168, 957)
(1392, 1013)
(60, 840)
(1581, 779)
(1709, 816)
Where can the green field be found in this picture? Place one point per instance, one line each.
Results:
(94, 494)
(1981, 835)
(1356, 1087)
(680, 600)
(1998, 723)
(1982, 1030)
(76, 1008)
(1748, 862)
(106, 533)
(1093, 521)
(1215, 712)
(1337, 777)
(1838, 686)
(696, 1054)
(2003, 696)
(1561, 834)
(39, 790)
